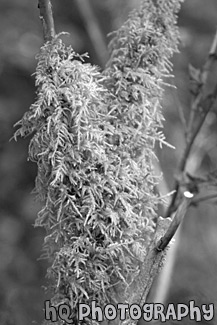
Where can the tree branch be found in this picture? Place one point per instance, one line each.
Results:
(46, 15)
(177, 219)
(204, 198)
(204, 74)
(206, 103)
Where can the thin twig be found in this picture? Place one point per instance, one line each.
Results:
(46, 15)
(204, 198)
(183, 163)
(207, 104)
(177, 219)
(204, 74)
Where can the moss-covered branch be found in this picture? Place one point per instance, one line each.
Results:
(94, 144)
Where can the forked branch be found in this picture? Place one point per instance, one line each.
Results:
(201, 101)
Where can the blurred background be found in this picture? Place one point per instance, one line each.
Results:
(22, 274)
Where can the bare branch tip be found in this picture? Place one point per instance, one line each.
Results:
(46, 15)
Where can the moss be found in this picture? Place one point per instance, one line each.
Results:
(94, 136)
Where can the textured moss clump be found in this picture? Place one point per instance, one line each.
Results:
(94, 136)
